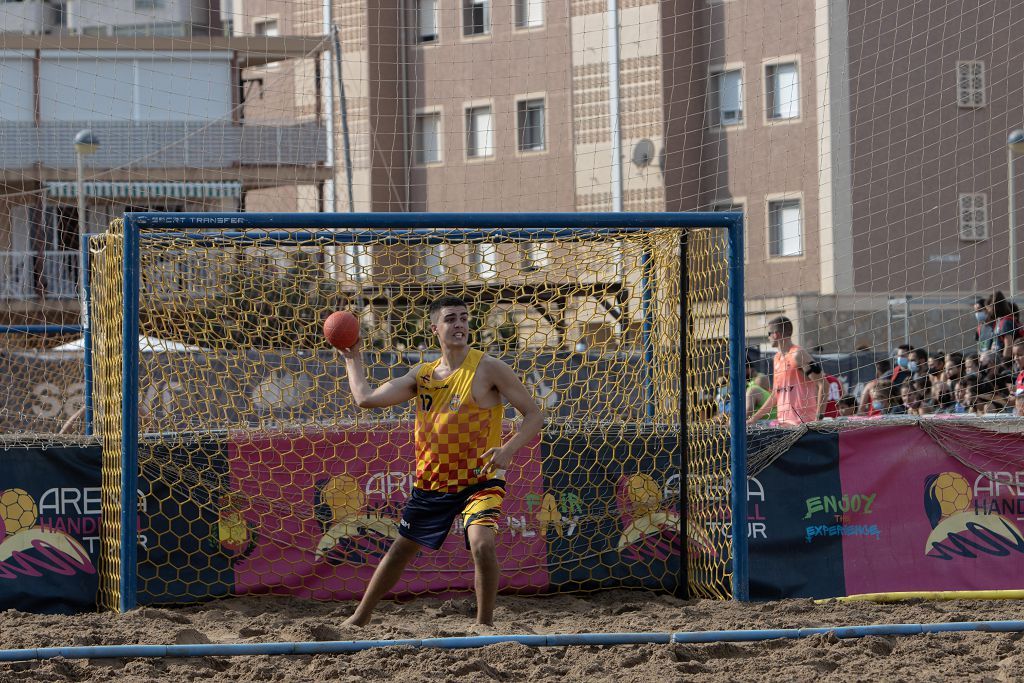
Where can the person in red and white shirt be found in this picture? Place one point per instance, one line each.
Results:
(833, 389)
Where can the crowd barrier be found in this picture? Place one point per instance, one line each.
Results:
(878, 509)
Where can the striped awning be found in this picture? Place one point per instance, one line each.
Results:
(69, 189)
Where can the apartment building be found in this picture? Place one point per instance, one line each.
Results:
(171, 137)
(871, 169)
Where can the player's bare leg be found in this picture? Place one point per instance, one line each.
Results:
(385, 576)
(485, 563)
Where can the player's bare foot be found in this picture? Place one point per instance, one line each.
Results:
(351, 622)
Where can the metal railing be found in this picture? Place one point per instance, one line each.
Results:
(163, 144)
(31, 274)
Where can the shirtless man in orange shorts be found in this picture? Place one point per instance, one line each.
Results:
(799, 398)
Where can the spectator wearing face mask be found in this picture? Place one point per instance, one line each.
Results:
(901, 365)
(883, 369)
(880, 398)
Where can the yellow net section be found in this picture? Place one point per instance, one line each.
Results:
(106, 256)
(258, 474)
(707, 376)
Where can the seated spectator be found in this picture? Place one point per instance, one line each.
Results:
(921, 403)
(883, 368)
(901, 365)
(753, 374)
(942, 403)
(1003, 384)
(994, 407)
(972, 364)
(1011, 405)
(960, 405)
(918, 365)
(973, 400)
(986, 384)
(880, 398)
(936, 364)
(953, 369)
(833, 387)
(847, 406)
(910, 400)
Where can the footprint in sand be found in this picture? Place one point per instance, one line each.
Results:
(190, 636)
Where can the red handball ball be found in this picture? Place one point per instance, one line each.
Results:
(341, 329)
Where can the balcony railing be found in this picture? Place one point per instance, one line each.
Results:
(31, 274)
(163, 144)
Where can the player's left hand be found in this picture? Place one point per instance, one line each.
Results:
(496, 461)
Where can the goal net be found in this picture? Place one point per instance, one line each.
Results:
(256, 472)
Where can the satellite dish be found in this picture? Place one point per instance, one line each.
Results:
(643, 152)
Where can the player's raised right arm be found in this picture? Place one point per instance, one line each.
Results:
(393, 392)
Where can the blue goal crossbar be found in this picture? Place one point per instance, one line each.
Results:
(292, 228)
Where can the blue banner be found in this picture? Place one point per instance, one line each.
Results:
(49, 528)
(794, 550)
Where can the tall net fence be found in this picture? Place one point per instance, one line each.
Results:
(257, 472)
(872, 150)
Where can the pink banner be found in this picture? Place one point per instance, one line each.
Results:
(937, 523)
(322, 508)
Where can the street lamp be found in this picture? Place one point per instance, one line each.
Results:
(86, 143)
(1014, 145)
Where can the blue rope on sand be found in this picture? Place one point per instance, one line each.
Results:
(552, 640)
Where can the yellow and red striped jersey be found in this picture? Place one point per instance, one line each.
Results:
(452, 432)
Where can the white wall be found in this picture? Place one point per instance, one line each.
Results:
(104, 15)
(139, 86)
(15, 86)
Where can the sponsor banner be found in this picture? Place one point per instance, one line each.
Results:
(797, 520)
(183, 390)
(190, 532)
(940, 524)
(324, 506)
(49, 528)
(609, 511)
(38, 394)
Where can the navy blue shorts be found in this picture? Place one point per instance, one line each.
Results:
(428, 515)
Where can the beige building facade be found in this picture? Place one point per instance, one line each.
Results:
(852, 151)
